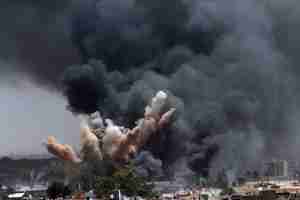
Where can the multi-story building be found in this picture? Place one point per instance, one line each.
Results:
(277, 168)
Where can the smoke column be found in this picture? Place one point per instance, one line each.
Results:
(230, 73)
(113, 143)
(230, 68)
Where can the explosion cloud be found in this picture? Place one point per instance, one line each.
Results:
(229, 68)
(62, 151)
(89, 143)
(114, 142)
(225, 69)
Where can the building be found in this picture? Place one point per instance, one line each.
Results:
(167, 186)
(19, 196)
(36, 191)
(277, 168)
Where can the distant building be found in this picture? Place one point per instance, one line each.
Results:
(19, 196)
(36, 191)
(277, 168)
(167, 186)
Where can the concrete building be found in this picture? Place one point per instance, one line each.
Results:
(277, 168)
(167, 186)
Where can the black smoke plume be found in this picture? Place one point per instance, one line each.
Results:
(230, 67)
(35, 38)
(225, 65)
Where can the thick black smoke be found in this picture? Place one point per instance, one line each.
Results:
(136, 32)
(35, 38)
(35, 46)
(230, 67)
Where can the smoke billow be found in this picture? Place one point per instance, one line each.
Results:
(36, 36)
(147, 165)
(64, 151)
(230, 69)
(229, 72)
(89, 143)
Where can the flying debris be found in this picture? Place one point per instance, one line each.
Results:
(107, 140)
(62, 151)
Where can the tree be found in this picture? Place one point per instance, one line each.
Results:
(67, 191)
(125, 180)
(228, 191)
(55, 190)
(221, 180)
(105, 186)
(58, 189)
(199, 181)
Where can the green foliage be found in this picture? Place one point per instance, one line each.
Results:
(58, 189)
(199, 181)
(105, 186)
(221, 180)
(127, 181)
(228, 191)
(55, 190)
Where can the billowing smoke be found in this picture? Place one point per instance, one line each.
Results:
(89, 142)
(226, 66)
(147, 165)
(64, 151)
(112, 142)
(35, 38)
(229, 68)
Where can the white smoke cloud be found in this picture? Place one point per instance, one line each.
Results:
(88, 140)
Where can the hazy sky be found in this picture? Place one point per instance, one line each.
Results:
(29, 114)
(33, 41)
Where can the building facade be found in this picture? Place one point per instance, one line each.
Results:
(277, 168)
